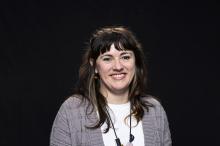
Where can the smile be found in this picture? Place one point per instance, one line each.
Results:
(118, 76)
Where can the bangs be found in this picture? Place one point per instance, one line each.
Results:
(107, 47)
(103, 44)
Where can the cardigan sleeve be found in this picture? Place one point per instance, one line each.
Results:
(64, 130)
(162, 123)
(166, 130)
(60, 133)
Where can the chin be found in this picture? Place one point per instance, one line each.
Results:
(120, 89)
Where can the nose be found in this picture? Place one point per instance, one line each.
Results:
(117, 65)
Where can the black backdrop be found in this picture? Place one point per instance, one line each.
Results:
(42, 43)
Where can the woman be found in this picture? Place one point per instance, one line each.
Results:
(109, 106)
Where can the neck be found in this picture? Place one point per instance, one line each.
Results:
(116, 98)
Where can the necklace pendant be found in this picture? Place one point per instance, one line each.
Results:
(129, 144)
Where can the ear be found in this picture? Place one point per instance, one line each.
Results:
(96, 71)
(91, 61)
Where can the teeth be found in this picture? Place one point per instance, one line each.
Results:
(118, 76)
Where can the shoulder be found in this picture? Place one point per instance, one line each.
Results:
(151, 100)
(73, 101)
(72, 104)
(156, 106)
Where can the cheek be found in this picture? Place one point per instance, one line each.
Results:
(131, 66)
(102, 69)
(132, 70)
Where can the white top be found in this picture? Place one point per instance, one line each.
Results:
(118, 113)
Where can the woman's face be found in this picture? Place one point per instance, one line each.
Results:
(116, 70)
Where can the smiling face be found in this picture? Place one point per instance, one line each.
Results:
(116, 70)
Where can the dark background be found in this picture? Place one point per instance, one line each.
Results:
(41, 47)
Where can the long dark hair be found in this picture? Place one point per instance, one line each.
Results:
(88, 85)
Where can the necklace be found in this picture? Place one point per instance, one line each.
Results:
(117, 140)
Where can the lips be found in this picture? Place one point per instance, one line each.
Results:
(118, 76)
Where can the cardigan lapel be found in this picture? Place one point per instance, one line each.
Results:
(94, 136)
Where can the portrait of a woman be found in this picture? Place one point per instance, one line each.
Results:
(110, 106)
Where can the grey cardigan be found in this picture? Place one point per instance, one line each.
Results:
(69, 126)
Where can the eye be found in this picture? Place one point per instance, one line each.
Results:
(126, 57)
(106, 58)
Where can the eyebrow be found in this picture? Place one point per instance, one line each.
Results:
(109, 55)
(124, 53)
(105, 55)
